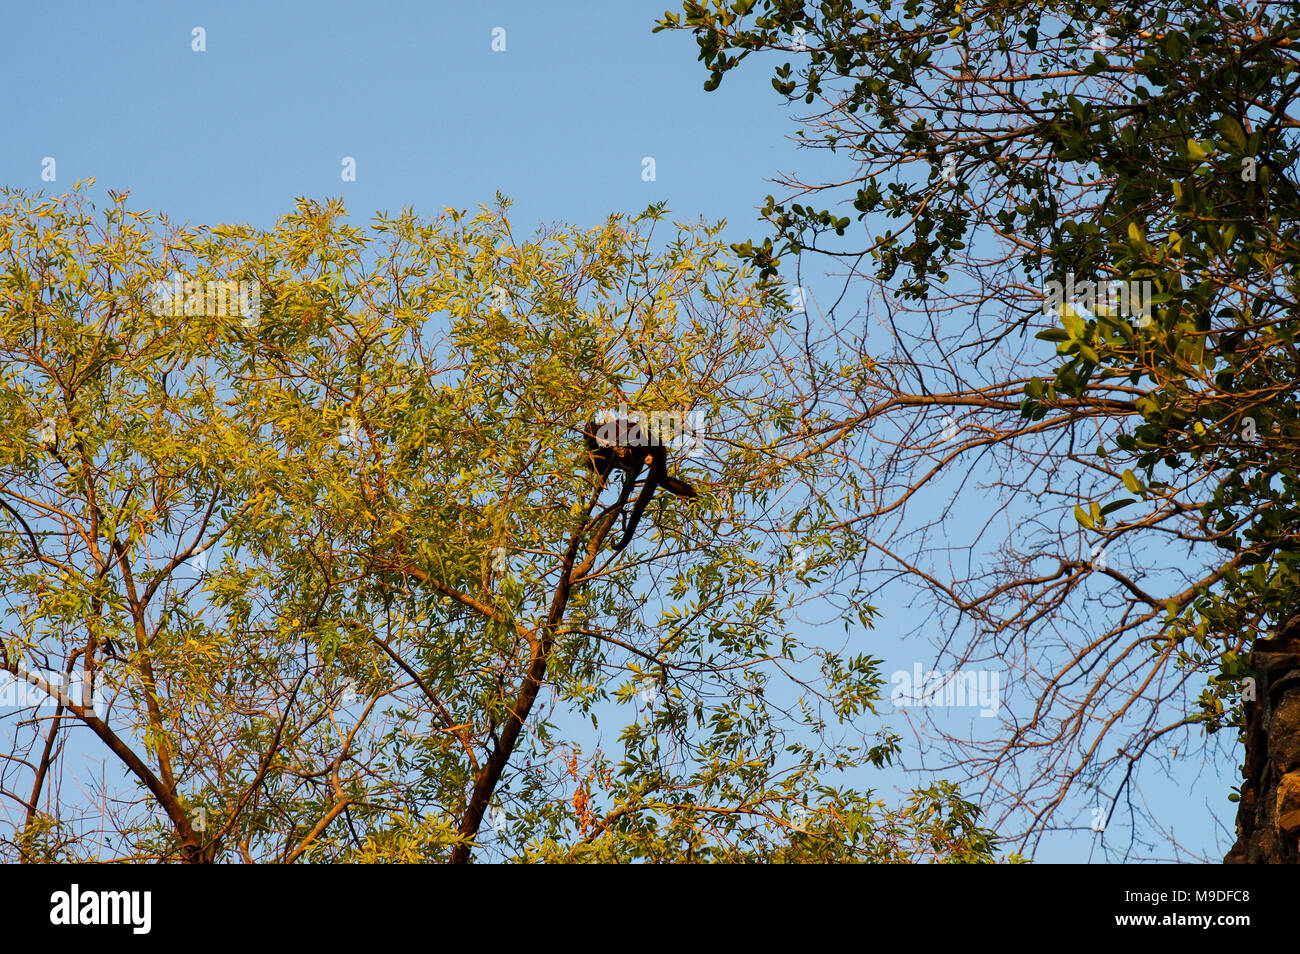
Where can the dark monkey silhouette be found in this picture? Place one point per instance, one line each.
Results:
(628, 445)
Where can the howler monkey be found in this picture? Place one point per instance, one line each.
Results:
(626, 444)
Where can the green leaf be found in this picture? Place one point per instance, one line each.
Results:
(1131, 482)
(1084, 520)
(1072, 322)
(1232, 132)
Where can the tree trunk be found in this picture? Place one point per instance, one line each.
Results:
(1268, 816)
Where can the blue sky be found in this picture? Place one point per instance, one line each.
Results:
(560, 121)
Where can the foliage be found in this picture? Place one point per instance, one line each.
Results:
(333, 565)
(997, 147)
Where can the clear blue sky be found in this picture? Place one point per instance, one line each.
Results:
(560, 121)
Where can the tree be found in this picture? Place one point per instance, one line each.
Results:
(1116, 179)
(296, 526)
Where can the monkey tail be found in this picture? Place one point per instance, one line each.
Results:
(679, 487)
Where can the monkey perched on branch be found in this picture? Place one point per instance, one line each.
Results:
(627, 444)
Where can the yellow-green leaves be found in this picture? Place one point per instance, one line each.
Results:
(384, 473)
(1088, 518)
(1073, 321)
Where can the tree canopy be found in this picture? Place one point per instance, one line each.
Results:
(295, 534)
(1077, 222)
